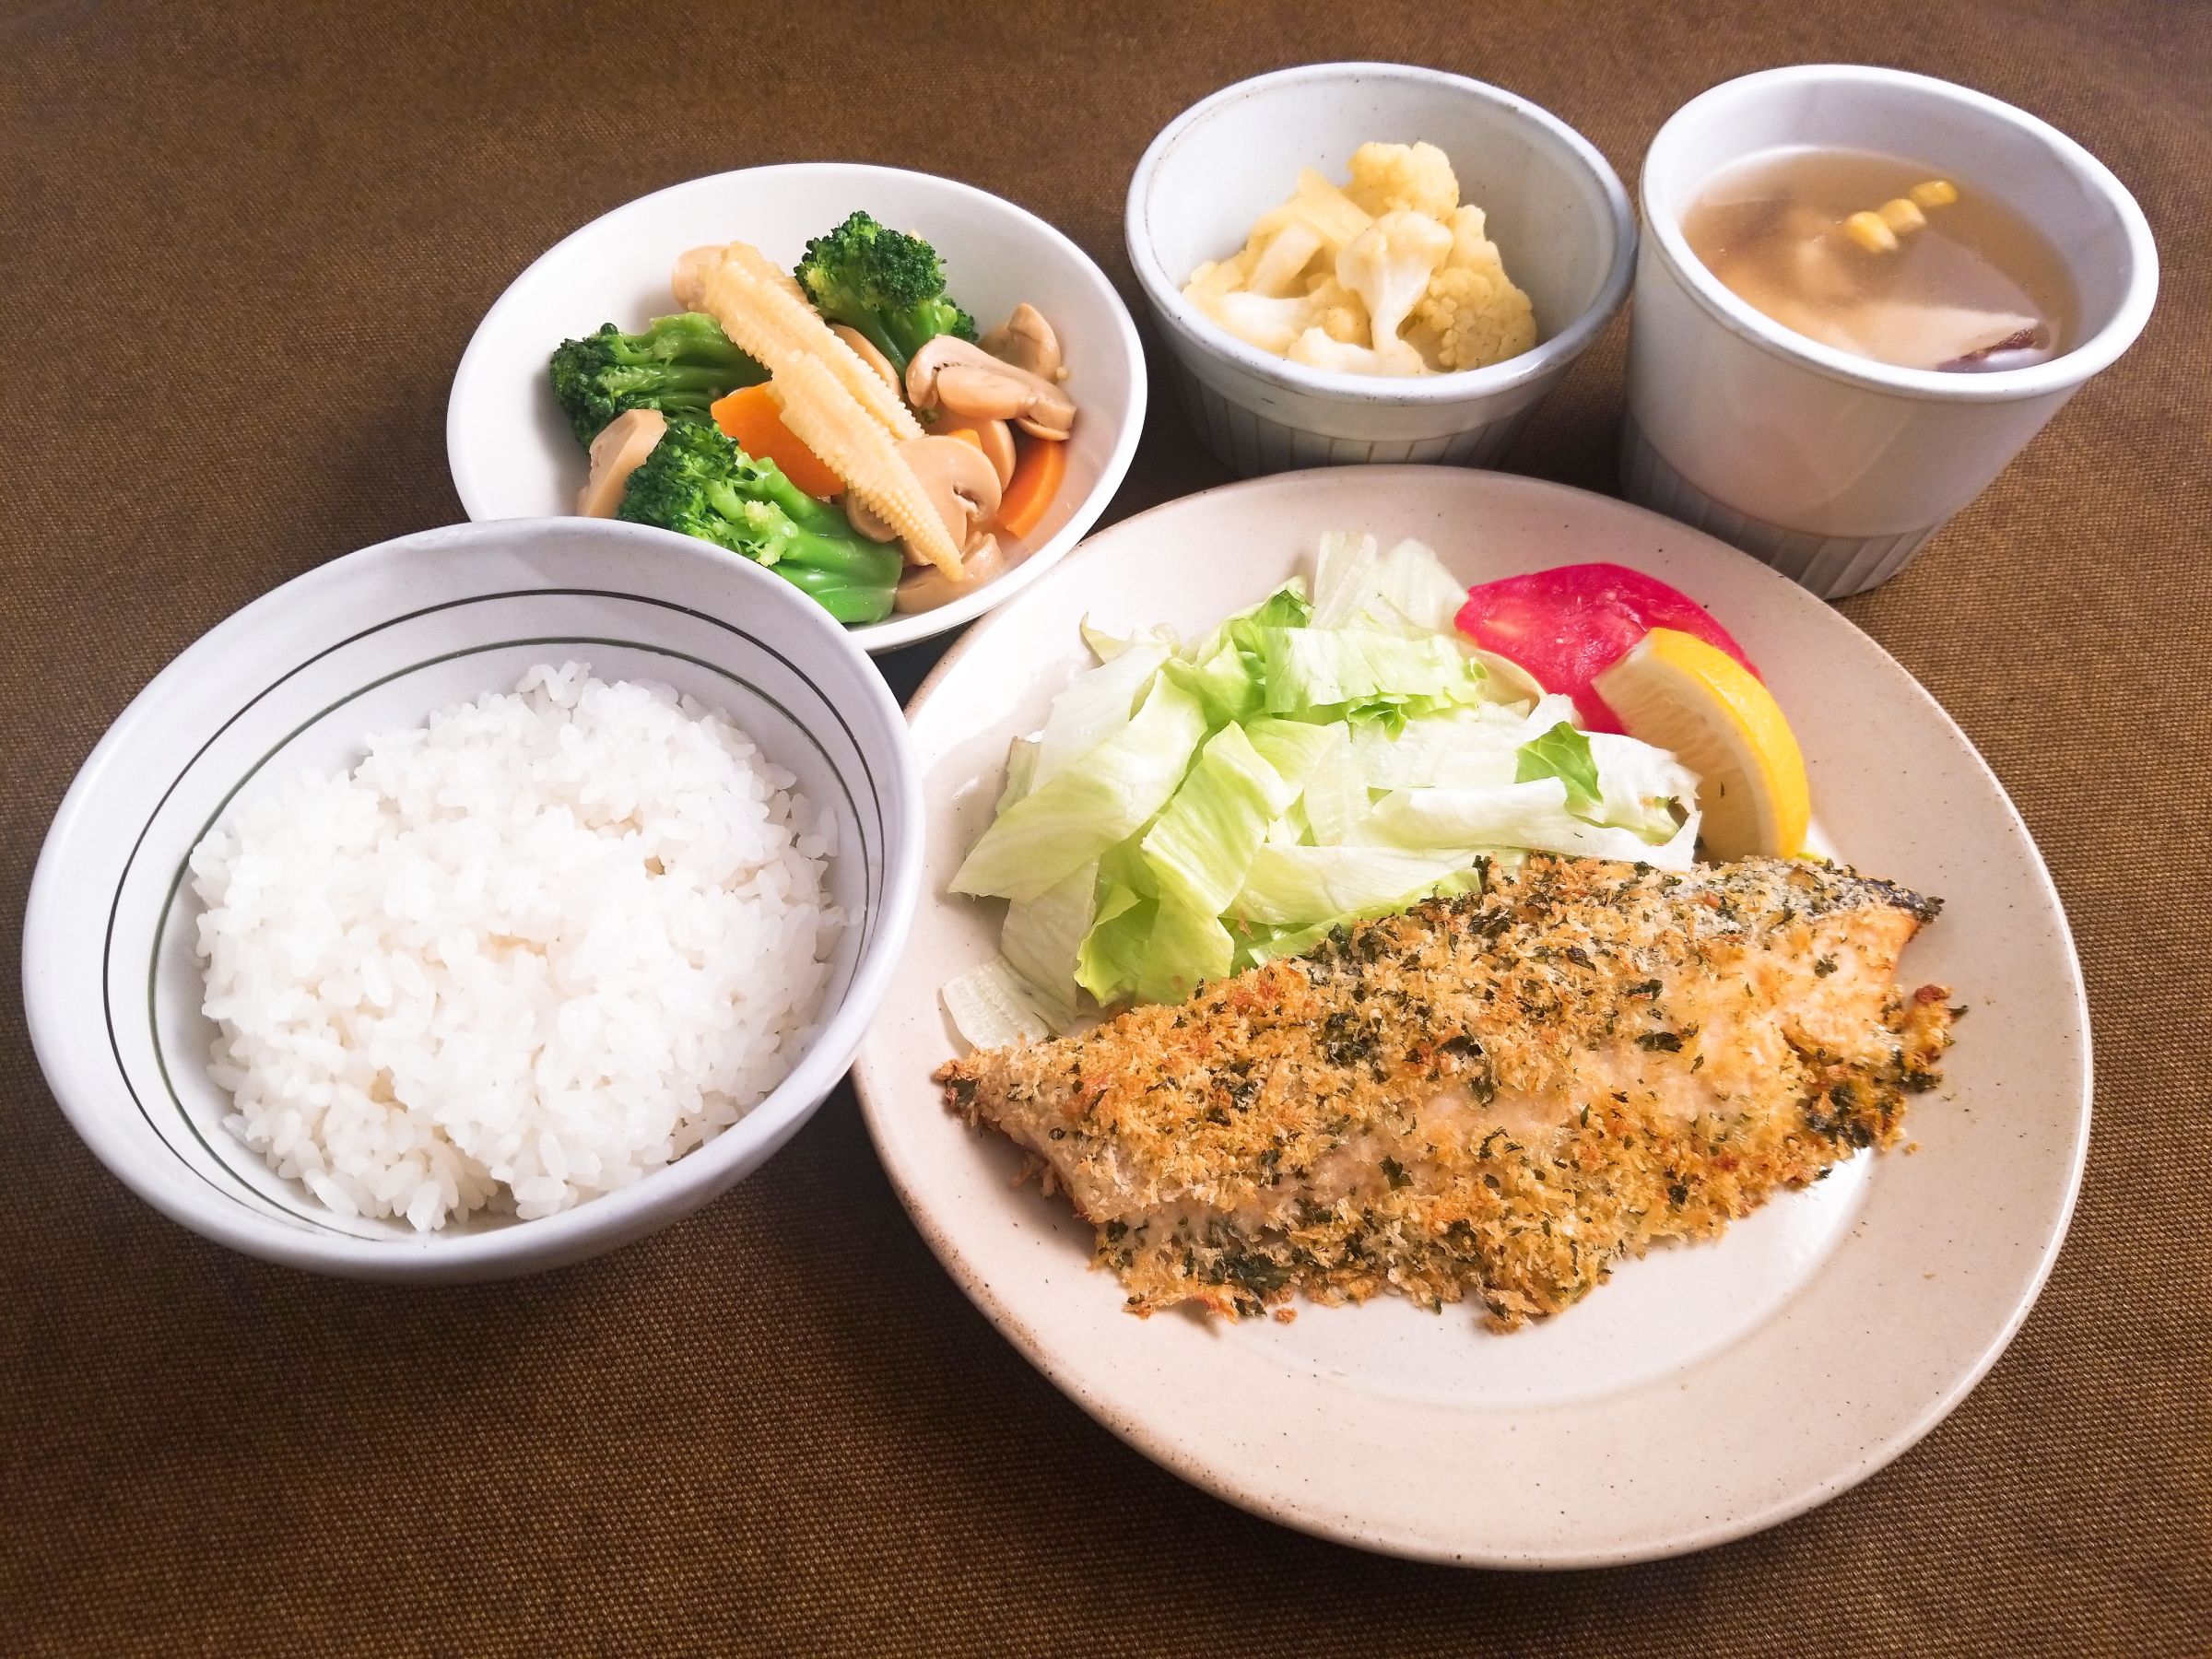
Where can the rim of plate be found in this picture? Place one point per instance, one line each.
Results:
(1320, 1521)
(80, 1080)
(897, 631)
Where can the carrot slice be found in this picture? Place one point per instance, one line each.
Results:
(749, 417)
(1038, 471)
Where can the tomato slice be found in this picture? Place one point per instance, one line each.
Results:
(1568, 625)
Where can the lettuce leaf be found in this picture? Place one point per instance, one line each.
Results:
(1228, 683)
(1096, 703)
(1112, 960)
(1021, 772)
(1459, 749)
(1413, 582)
(991, 1006)
(1563, 753)
(1531, 816)
(1639, 787)
(1186, 947)
(1293, 748)
(1042, 937)
(1259, 942)
(1302, 884)
(1336, 797)
(1312, 672)
(1203, 841)
(1344, 567)
(1076, 814)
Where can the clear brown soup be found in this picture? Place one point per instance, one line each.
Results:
(1972, 287)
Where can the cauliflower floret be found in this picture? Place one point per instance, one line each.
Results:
(1404, 177)
(1339, 313)
(1471, 243)
(1389, 277)
(1213, 279)
(1317, 350)
(1389, 266)
(1262, 319)
(1471, 314)
(1468, 320)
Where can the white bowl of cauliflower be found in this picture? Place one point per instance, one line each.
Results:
(1373, 263)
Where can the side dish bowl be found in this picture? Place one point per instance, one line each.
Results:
(1557, 210)
(512, 454)
(375, 641)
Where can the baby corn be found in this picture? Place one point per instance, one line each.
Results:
(825, 417)
(759, 307)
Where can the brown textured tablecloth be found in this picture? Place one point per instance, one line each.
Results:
(241, 247)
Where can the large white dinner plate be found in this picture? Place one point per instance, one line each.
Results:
(1706, 1392)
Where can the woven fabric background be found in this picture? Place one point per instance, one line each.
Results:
(241, 247)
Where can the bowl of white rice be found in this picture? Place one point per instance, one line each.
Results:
(477, 902)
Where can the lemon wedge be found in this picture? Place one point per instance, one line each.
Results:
(1676, 692)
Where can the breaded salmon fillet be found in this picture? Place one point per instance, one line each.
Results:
(1498, 1095)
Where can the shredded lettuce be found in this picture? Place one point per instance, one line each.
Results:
(1536, 816)
(1203, 841)
(1413, 582)
(1262, 942)
(1187, 946)
(1293, 748)
(1563, 753)
(993, 1006)
(1639, 786)
(1188, 811)
(1110, 961)
(1311, 671)
(1344, 567)
(1042, 937)
(1096, 705)
(1077, 813)
(1336, 795)
(1021, 772)
(1303, 885)
(1462, 747)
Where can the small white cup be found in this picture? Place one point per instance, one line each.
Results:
(1556, 211)
(1831, 467)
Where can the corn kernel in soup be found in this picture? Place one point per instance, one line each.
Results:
(1885, 258)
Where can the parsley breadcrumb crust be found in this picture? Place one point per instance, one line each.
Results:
(1495, 1096)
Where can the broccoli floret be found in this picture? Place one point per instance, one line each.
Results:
(886, 284)
(698, 482)
(680, 366)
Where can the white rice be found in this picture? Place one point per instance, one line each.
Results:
(518, 957)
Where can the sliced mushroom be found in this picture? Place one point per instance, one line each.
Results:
(689, 282)
(1051, 432)
(865, 347)
(995, 437)
(958, 478)
(950, 372)
(619, 449)
(1027, 341)
(929, 587)
(961, 483)
(863, 518)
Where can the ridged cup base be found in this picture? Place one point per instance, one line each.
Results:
(1249, 443)
(1831, 566)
